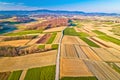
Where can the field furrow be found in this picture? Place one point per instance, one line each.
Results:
(102, 71)
(91, 54)
(81, 54)
(74, 68)
(105, 55)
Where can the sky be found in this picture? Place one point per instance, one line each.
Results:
(108, 6)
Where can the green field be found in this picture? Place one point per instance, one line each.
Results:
(115, 67)
(70, 31)
(89, 42)
(81, 35)
(105, 37)
(79, 78)
(15, 75)
(98, 32)
(54, 46)
(110, 39)
(41, 73)
(41, 46)
(24, 32)
(52, 38)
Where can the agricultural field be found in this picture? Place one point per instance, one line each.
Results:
(74, 48)
(87, 42)
(15, 75)
(41, 73)
(28, 61)
(4, 75)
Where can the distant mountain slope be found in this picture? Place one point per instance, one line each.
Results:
(55, 12)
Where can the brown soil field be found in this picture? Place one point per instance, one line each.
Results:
(33, 41)
(48, 46)
(57, 38)
(105, 55)
(69, 40)
(73, 68)
(55, 29)
(114, 46)
(28, 61)
(102, 71)
(72, 51)
(90, 54)
(63, 53)
(80, 53)
(73, 40)
(14, 43)
(44, 38)
(115, 52)
(4, 75)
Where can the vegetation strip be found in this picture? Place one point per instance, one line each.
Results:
(54, 46)
(79, 78)
(15, 75)
(89, 42)
(81, 35)
(41, 73)
(41, 46)
(105, 37)
(115, 67)
(24, 32)
(52, 38)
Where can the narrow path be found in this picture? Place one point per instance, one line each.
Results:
(23, 74)
(57, 75)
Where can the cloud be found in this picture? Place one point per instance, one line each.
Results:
(16, 6)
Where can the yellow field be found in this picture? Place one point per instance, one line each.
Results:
(28, 61)
(74, 68)
(55, 29)
(14, 43)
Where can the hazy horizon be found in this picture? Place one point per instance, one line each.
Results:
(106, 6)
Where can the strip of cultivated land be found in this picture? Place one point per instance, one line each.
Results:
(74, 68)
(41, 73)
(28, 61)
(102, 70)
(82, 50)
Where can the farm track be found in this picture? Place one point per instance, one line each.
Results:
(23, 74)
(102, 71)
(57, 38)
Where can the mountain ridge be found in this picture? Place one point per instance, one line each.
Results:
(56, 12)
